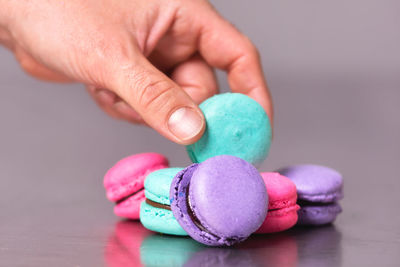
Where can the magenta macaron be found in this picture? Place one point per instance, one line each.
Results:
(282, 207)
(124, 182)
(220, 201)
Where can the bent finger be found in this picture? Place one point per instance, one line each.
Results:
(197, 78)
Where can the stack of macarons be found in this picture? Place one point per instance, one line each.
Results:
(221, 199)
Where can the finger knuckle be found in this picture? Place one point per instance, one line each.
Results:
(152, 95)
(250, 49)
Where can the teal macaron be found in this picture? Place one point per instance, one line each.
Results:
(236, 125)
(155, 211)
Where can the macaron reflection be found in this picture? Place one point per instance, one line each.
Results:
(278, 249)
(133, 245)
(318, 245)
(299, 246)
(166, 251)
(123, 246)
(222, 257)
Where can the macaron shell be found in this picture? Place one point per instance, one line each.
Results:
(180, 209)
(157, 184)
(281, 190)
(160, 220)
(318, 215)
(282, 207)
(279, 220)
(315, 183)
(219, 196)
(130, 208)
(127, 175)
(236, 125)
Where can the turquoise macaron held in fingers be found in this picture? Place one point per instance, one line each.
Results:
(155, 211)
(236, 125)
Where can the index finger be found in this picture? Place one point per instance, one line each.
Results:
(224, 47)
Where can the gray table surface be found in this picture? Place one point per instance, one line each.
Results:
(333, 67)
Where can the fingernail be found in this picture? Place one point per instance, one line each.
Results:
(185, 123)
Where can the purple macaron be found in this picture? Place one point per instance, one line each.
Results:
(220, 201)
(319, 189)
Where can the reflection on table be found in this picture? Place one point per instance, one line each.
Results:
(132, 245)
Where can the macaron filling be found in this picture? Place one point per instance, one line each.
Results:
(305, 203)
(128, 196)
(317, 213)
(157, 205)
(193, 216)
(328, 197)
(283, 210)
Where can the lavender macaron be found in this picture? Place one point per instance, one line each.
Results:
(319, 189)
(220, 201)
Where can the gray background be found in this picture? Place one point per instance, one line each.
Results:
(334, 71)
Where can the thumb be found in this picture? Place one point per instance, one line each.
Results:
(161, 103)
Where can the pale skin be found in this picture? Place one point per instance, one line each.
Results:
(143, 61)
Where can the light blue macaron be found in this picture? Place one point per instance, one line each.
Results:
(236, 125)
(155, 213)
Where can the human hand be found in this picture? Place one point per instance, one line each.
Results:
(143, 61)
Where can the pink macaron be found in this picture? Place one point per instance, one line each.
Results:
(124, 182)
(282, 207)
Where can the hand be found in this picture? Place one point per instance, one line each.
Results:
(142, 61)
